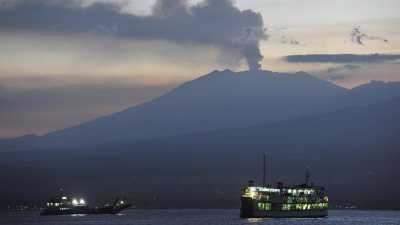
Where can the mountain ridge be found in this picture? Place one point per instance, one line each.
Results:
(346, 130)
(218, 100)
(202, 104)
(358, 138)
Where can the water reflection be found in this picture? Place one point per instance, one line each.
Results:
(255, 220)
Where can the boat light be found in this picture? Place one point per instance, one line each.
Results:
(82, 201)
(74, 201)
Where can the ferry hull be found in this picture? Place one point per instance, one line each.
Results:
(286, 214)
(83, 211)
(249, 209)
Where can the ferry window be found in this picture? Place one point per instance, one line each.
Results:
(264, 206)
(260, 206)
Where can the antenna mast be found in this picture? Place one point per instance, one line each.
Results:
(264, 169)
(307, 175)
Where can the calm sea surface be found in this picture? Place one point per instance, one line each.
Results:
(196, 217)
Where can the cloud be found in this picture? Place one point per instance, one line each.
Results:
(359, 37)
(70, 3)
(346, 67)
(336, 77)
(289, 40)
(341, 58)
(283, 37)
(349, 70)
(351, 75)
(338, 72)
(216, 23)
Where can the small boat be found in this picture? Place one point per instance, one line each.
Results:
(65, 205)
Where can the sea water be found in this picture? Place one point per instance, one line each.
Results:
(197, 217)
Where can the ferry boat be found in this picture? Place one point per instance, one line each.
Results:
(291, 201)
(65, 205)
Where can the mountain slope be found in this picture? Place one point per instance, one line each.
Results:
(374, 91)
(209, 167)
(218, 100)
(203, 141)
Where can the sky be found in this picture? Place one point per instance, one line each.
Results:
(64, 62)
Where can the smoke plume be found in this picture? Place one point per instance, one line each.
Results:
(217, 23)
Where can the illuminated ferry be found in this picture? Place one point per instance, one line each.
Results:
(295, 201)
(65, 205)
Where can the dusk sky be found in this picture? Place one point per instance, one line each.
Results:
(65, 62)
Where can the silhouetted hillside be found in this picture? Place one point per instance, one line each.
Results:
(352, 150)
(373, 92)
(218, 100)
